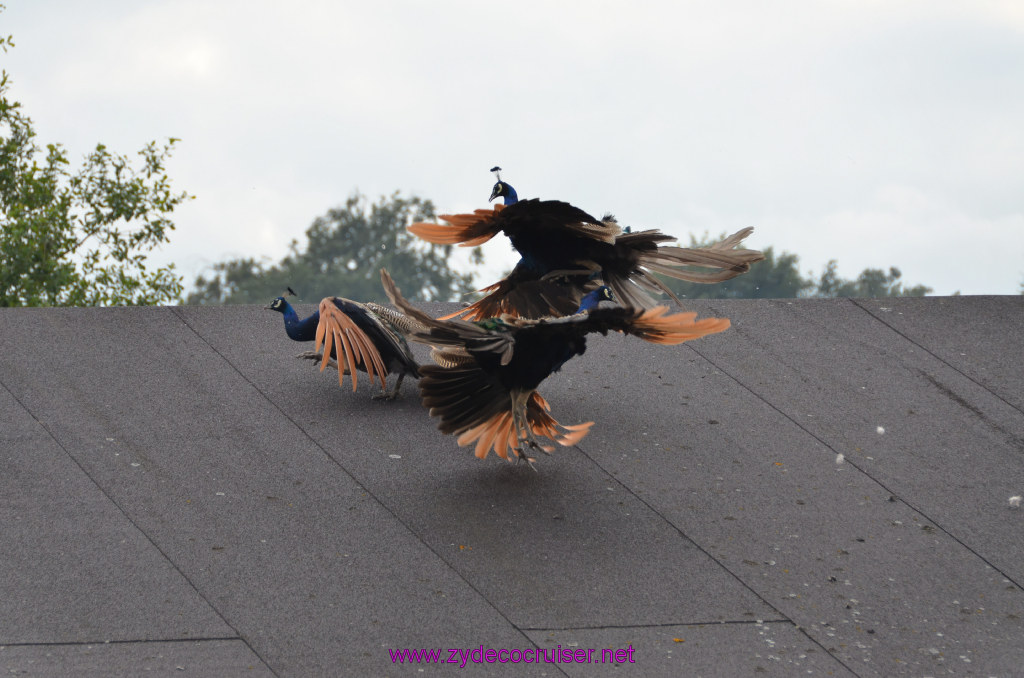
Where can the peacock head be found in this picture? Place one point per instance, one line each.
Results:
(280, 304)
(503, 190)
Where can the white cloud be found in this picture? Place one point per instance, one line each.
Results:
(877, 133)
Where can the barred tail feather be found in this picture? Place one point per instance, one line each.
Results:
(425, 322)
(450, 357)
(402, 322)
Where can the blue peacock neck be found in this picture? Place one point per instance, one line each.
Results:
(300, 329)
(511, 197)
(590, 301)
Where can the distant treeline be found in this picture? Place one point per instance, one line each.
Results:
(778, 277)
(346, 248)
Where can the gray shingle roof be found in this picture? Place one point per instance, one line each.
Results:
(178, 493)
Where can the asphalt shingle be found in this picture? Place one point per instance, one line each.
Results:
(172, 475)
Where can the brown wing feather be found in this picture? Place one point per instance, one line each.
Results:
(543, 424)
(336, 330)
(496, 437)
(494, 433)
(499, 433)
(479, 411)
(604, 231)
(723, 256)
(656, 327)
(531, 299)
(466, 230)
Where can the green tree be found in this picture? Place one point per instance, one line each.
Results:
(778, 277)
(871, 283)
(79, 238)
(342, 256)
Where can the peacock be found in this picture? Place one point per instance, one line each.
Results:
(368, 336)
(567, 253)
(487, 394)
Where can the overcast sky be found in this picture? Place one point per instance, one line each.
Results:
(880, 133)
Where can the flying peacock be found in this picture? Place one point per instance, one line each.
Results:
(566, 253)
(488, 393)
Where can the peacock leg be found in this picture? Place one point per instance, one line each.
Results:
(522, 428)
(393, 393)
(317, 356)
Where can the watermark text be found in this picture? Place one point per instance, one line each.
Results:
(462, 656)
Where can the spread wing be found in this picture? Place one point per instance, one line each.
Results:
(627, 267)
(655, 325)
(658, 327)
(341, 333)
(467, 230)
(522, 294)
(723, 258)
